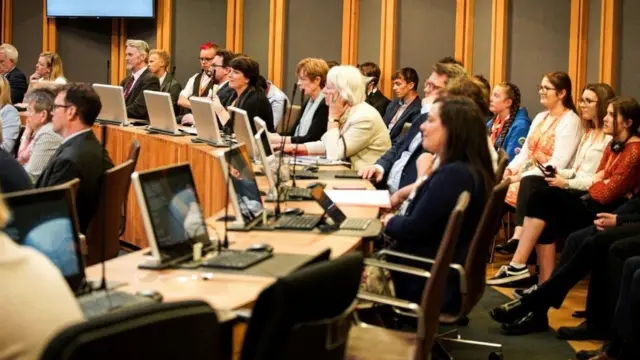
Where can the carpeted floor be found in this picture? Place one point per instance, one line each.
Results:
(540, 346)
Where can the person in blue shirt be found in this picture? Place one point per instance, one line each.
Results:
(509, 127)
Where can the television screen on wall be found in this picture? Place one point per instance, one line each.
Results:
(100, 8)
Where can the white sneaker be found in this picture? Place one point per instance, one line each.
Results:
(508, 274)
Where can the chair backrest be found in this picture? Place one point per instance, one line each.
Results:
(503, 161)
(305, 315)
(103, 234)
(134, 153)
(16, 145)
(175, 330)
(290, 122)
(434, 290)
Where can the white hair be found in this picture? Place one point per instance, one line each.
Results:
(10, 52)
(349, 82)
(141, 46)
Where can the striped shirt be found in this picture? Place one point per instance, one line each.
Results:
(37, 150)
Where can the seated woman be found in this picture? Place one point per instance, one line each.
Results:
(39, 141)
(311, 123)
(509, 127)
(9, 118)
(556, 211)
(355, 131)
(48, 68)
(247, 96)
(159, 63)
(552, 141)
(454, 132)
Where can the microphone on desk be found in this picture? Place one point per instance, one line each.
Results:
(286, 127)
(225, 242)
(295, 150)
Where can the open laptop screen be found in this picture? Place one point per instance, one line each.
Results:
(264, 139)
(44, 220)
(328, 205)
(244, 184)
(173, 210)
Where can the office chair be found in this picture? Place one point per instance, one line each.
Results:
(374, 342)
(134, 153)
(175, 330)
(280, 129)
(305, 315)
(503, 162)
(16, 146)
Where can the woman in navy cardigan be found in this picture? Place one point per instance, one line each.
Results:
(454, 132)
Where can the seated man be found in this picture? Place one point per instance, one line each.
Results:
(80, 155)
(17, 79)
(397, 167)
(278, 100)
(406, 107)
(141, 79)
(375, 98)
(201, 83)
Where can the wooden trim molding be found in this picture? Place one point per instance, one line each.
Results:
(163, 24)
(498, 63)
(277, 14)
(7, 17)
(465, 17)
(118, 47)
(387, 44)
(578, 43)
(235, 25)
(609, 42)
(49, 30)
(350, 19)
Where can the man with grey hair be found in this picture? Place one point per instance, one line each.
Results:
(17, 79)
(140, 79)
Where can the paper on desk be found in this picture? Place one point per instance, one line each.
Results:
(188, 129)
(316, 160)
(373, 198)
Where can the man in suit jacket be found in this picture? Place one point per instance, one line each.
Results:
(141, 79)
(80, 155)
(16, 78)
(170, 85)
(406, 107)
(374, 97)
(13, 177)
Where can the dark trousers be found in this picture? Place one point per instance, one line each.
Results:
(627, 316)
(528, 185)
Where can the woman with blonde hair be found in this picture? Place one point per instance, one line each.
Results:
(49, 68)
(9, 118)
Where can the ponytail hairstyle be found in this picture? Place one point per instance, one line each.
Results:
(513, 93)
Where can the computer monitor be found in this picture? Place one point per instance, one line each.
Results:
(264, 152)
(171, 212)
(114, 109)
(45, 219)
(160, 109)
(243, 188)
(204, 117)
(242, 129)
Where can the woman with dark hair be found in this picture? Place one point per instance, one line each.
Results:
(249, 95)
(454, 132)
(510, 125)
(593, 109)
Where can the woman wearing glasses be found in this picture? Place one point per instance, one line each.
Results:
(552, 141)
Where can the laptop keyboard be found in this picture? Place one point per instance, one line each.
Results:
(305, 175)
(302, 193)
(236, 260)
(355, 224)
(302, 222)
(99, 303)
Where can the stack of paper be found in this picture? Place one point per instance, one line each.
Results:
(373, 198)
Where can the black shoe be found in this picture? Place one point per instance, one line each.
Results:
(509, 312)
(534, 321)
(508, 248)
(587, 354)
(581, 332)
(579, 314)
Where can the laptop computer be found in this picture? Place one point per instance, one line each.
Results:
(204, 117)
(265, 153)
(243, 188)
(171, 214)
(45, 219)
(162, 118)
(114, 109)
(243, 131)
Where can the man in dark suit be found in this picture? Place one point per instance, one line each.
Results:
(13, 177)
(16, 78)
(374, 97)
(80, 155)
(406, 107)
(141, 79)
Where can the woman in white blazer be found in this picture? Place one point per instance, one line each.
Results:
(355, 130)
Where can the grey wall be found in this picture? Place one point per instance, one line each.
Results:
(425, 34)
(593, 41)
(538, 43)
(369, 31)
(194, 23)
(255, 42)
(482, 38)
(628, 51)
(27, 33)
(142, 29)
(313, 28)
(85, 46)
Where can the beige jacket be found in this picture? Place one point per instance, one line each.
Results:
(364, 133)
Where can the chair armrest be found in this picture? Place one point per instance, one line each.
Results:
(388, 300)
(397, 267)
(84, 250)
(243, 315)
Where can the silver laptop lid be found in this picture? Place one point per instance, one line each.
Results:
(204, 117)
(113, 105)
(243, 131)
(160, 109)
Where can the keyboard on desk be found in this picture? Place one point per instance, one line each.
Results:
(301, 193)
(298, 222)
(355, 224)
(236, 260)
(101, 302)
(305, 175)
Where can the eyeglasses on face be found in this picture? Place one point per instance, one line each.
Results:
(64, 106)
(205, 59)
(544, 89)
(585, 101)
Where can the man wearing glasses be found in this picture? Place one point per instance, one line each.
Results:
(199, 84)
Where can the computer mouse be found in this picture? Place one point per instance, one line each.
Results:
(311, 168)
(260, 247)
(293, 211)
(151, 294)
(314, 184)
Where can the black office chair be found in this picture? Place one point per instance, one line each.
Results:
(176, 330)
(305, 315)
(16, 146)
